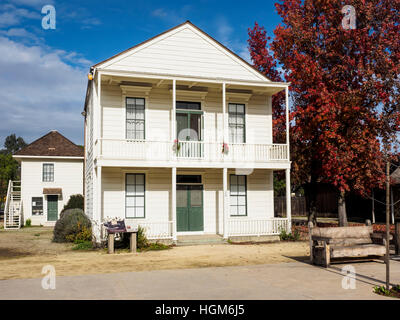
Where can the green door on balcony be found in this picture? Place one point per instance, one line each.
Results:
(189, 207)
(52, 208)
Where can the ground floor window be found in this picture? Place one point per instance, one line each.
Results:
(134, 195)
(37, 206)
(238, 195)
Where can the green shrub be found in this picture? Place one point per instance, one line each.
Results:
(74, 202)
(285, 236)
(83, 245)
(72, 226)
(28, 223)
(142, 241)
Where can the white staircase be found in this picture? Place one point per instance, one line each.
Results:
(13, 207)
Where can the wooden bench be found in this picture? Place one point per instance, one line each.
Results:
(344, 242)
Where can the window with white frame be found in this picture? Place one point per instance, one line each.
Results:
(238, 195)
(135, 118)
(237, 126)
(48, 172)
(134, 195)
(37, 206)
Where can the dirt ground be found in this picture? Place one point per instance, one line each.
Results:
(24, 252)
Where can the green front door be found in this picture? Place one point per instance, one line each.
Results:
(189, 207)
(52, 208)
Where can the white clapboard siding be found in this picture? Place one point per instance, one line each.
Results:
(68, 175)
(184, 51)
(158, 115)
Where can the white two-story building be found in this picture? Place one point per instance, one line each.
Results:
(178, 139)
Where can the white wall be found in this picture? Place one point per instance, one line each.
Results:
(68, 175)
(158, 195)
(158, 115)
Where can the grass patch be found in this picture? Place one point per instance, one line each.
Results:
(393, 292)
(37, 234)
(285, 236)
(83, 245)
(155, 246)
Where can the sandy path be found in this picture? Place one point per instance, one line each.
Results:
(23, 253)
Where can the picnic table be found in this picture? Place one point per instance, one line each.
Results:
(120, 227)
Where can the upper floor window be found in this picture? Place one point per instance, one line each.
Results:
(237, 126)
(48, 172)
(135, 118)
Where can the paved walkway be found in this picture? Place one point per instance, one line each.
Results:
(295, 280)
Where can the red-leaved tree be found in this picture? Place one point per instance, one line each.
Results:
(344, 85)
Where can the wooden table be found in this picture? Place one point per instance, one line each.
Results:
(133, 242)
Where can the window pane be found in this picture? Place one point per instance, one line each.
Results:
(232, 108)
(130, 179)
(196, 198)
(181, 198)
(139, 178)
(130, 201)
(233, 201)
(139, 101)
(130, 212)
(241, 200)
(241, 180)
(139, 201)
(139, 212)
(233, 210)
(234, 179)
(242, 210)
(240, 108)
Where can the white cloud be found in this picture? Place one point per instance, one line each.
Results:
(172, 16)
(12, 15)
(40, 91)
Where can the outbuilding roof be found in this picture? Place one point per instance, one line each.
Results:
(53, 144)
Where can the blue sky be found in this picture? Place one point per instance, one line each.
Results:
(43, 72)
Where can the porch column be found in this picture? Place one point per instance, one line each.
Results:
(173, 204)
(224, 117)
(288, 201)
(99, 200)
(173, 124)
(225, 202)
(287, 123)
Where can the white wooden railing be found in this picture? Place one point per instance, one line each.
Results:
(155, 230)
(257, 227)
(189, 150)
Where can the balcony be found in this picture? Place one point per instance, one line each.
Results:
(191, 152)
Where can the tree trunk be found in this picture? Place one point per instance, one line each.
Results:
(311, 202)
(342, 209)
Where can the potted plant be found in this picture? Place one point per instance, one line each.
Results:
(225, 148)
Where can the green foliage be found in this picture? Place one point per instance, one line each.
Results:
(28, 223)
(8, 171)
(83, 245)
(279, 184)
(155, 246)
(72, 226)
(288, 236)
(13, 144)
(74, 202)
(381, 290)
(142, 241)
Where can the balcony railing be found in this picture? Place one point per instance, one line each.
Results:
(189, 150)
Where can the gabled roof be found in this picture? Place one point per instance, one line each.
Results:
(53, 144)
(151, 55)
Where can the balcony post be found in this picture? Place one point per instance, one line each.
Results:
(225, 202)
(287, 123)
(173, 124)
(288, 200)
(173, 204)
(224, 117)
